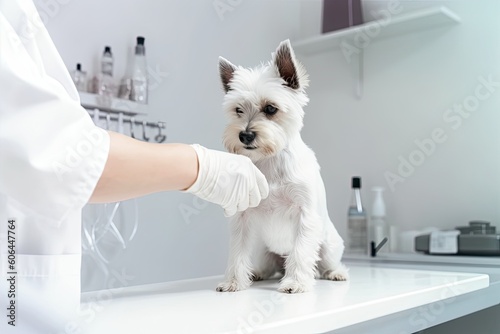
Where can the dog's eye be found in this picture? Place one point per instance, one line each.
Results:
(239, 111)
(270, 110)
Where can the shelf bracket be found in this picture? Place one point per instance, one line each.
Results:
(357, 63)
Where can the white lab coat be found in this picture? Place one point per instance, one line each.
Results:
(51, 157)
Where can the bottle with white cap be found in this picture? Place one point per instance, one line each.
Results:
(379, 228)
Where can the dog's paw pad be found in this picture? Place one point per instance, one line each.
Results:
(290, 286)
(230, 286)
(339, 274)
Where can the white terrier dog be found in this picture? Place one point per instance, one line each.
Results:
(290, 231)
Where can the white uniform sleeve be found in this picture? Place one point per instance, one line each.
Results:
(51, 154)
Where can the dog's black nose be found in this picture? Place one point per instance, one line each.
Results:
(246, 137)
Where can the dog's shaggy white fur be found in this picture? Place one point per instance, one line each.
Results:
(290, 232)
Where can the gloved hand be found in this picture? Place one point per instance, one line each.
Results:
(230, 180)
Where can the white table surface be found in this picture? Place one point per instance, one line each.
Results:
(193, 306)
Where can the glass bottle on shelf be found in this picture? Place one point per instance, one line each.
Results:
(106, 85)
(79, 78)
(139, 91)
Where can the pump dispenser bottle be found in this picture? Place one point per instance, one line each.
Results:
(357, 225)
(379, 228)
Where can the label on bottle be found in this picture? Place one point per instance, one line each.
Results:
(444, 242)
(139, 91)
(107, 67)
(357, 242)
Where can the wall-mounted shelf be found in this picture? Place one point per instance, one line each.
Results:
(114, 105)
(399, 25)
(351, 40)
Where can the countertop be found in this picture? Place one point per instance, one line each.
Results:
(407, 299)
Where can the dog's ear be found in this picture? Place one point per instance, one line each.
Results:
(226, 71)
(288, 67)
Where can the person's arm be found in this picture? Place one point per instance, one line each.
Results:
(135, 168)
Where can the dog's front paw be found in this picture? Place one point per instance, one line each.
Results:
(230, 286)
(293, 286)
(339, 274)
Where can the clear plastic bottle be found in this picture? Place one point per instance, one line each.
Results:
(79, 78)
(379, 228)
(357, 223)
(139, 91)
(107, 85)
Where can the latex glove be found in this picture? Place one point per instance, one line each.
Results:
(230, 180)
